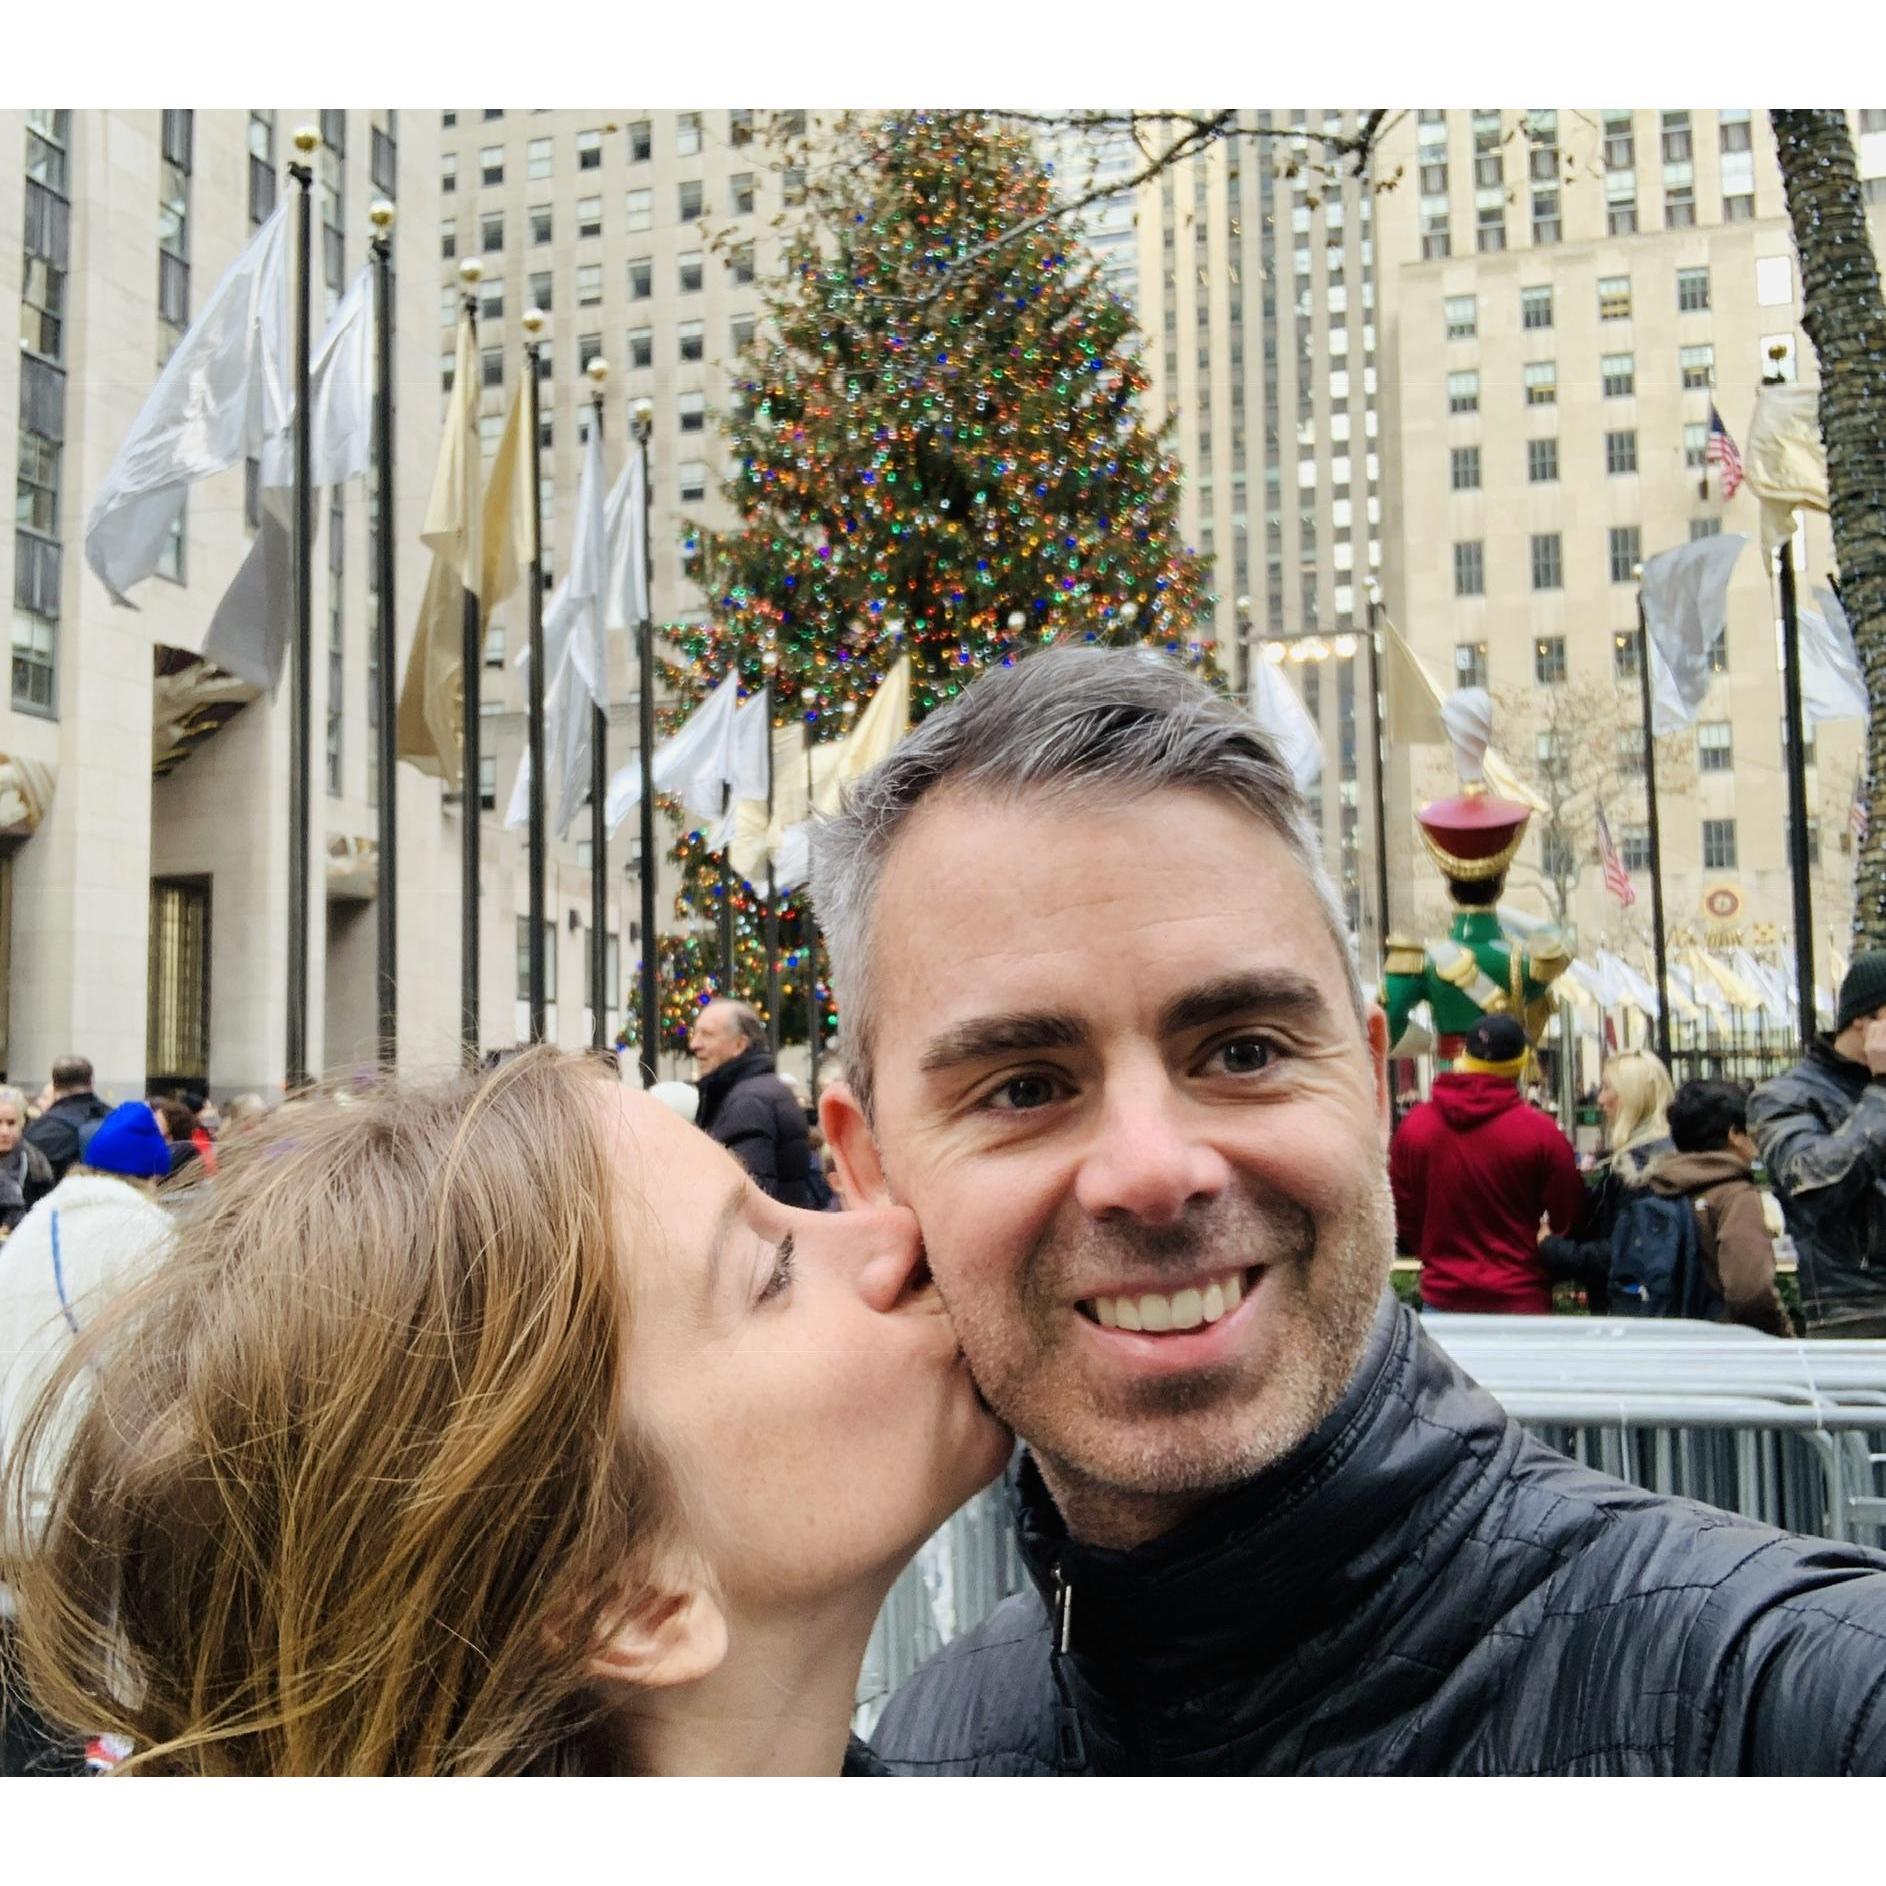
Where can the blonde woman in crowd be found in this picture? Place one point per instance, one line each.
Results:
(1634, 1095)
(499, 1425)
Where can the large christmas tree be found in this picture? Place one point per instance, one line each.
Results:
(939, 451)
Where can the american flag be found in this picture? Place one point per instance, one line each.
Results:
(1721, 451)
(1617, 880)
(1857, 812)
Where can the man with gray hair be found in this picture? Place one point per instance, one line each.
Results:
(1106, 1036)
(746, 1106)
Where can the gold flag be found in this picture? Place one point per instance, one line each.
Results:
(1784, 464)
(510, 532)
(427, 728)
(877, 730)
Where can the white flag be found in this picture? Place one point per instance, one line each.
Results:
(223, 392)
(1686, 607)
(1279, 710)
(1832, 686)
(584, 665)
(747, 767)
(626, 583)
(1783, 463)
(340, 398)
(249, 634)
(696, 761)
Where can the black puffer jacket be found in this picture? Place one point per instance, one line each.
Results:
(752, 1112)
(64, 1129)
(1821, 1132)
(1420, 1589)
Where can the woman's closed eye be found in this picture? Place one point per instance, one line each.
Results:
(781, 1277)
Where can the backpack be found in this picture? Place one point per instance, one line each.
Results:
(1657, 1260)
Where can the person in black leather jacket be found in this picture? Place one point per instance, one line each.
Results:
(1821, 1132)
(747, 1107)
(1113, 1051)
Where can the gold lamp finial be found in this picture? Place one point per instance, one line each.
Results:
(598, 371)
(471, 271)
(532, 322)
(307, 140)
(380, 213)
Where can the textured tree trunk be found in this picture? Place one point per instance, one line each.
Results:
(1846, 320)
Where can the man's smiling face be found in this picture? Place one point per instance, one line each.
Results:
(1121, 1079)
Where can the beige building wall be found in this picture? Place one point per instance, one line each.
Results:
(82, 698)
(1586, 283)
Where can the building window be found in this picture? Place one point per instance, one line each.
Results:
(1719, 665)
(1705, 527)
(588, 217)
(1465, 465)
(1550, 756)
(1535, 307)
(691, 480)
(589, 150)
(1542, 382)
(1620, 453)
(1435, 241)
(491, 165)
(589, 285)
(1490, 219)
(1469, 569)
(638, 211)
(792, 185)
(1470, 664)
(491, 300)
(1619, 373)
(1624, 655)
(688, 201)
(1698, 366)
(487, 782)
(740, 264)
(494, 646)
(1676, 137)
(1696, 446)
(448, 239)
(1715, 747)
(692, 409)
(1692, 291)
(741, 194)
(641, 141)
(542, 224)
(1614, 298)
(261, 167)
(1463, 317)
(688, 272)
(1627, 551)
(641, 346)
(1542, 461)
(691, 337)
(448, 174)
(1627, 752)
(492, 361)
(741, 331)
(641, 278)
(1546, 226)
(540, 159)
(541, 295)
(739, 128)
(491, 233)
(1548, 572)
(1463, 392)
(687, 133)
(588, 348)
(1634, 845)
(1619, 146)
(35, 647)
(1719, 844)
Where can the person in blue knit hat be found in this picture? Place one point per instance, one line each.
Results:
(98, 1228)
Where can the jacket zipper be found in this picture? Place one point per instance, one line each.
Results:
(1070, 1745)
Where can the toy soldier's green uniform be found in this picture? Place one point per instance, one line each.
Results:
(1477, 968)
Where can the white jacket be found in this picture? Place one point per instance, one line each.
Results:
(108, 1231)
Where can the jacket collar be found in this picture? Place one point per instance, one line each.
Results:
(1850, 1074)
(1289, 1578)
(743, 1067)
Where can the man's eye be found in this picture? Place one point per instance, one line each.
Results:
(1247, 1055)
(1023, 1094)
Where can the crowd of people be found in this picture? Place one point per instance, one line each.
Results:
(521, 1421)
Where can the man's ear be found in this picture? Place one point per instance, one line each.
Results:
(854, 1146)
(1376, 1024)
(676, 1633)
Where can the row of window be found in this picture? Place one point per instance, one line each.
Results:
(639, 135)
(639, 204)
(1462, 312)
(1624, 550)
(1542, 457)
(1548, 665)
(1719, 845)
(1617, 376)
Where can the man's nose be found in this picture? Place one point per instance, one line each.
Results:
(1148, 1158)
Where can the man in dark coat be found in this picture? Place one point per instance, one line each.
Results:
(746, 1106)
(1821, 1132)
(62, 1130)
(1104, 1034)
(1474, 1169)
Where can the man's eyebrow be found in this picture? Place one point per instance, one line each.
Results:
(724, 1221)
(1277, 994)
(988, 1036)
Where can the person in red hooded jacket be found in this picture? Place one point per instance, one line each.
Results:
(1474, 1169)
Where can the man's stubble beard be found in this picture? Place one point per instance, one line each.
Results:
(1126, 1472)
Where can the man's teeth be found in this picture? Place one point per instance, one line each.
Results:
(1184, 1309)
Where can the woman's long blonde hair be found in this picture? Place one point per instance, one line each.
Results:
(352, 1492)
(1644, 1089)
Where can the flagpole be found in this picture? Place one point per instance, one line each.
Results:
(772, 899)
(537, 990)
(1652, 829)
(644, 420)
(598, 371)
(471, 660)
(301, 717)
(1379, 754)
(726, 897)
(386, 638)
(1797, 777)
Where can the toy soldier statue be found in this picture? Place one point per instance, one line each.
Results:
(1477, 969)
